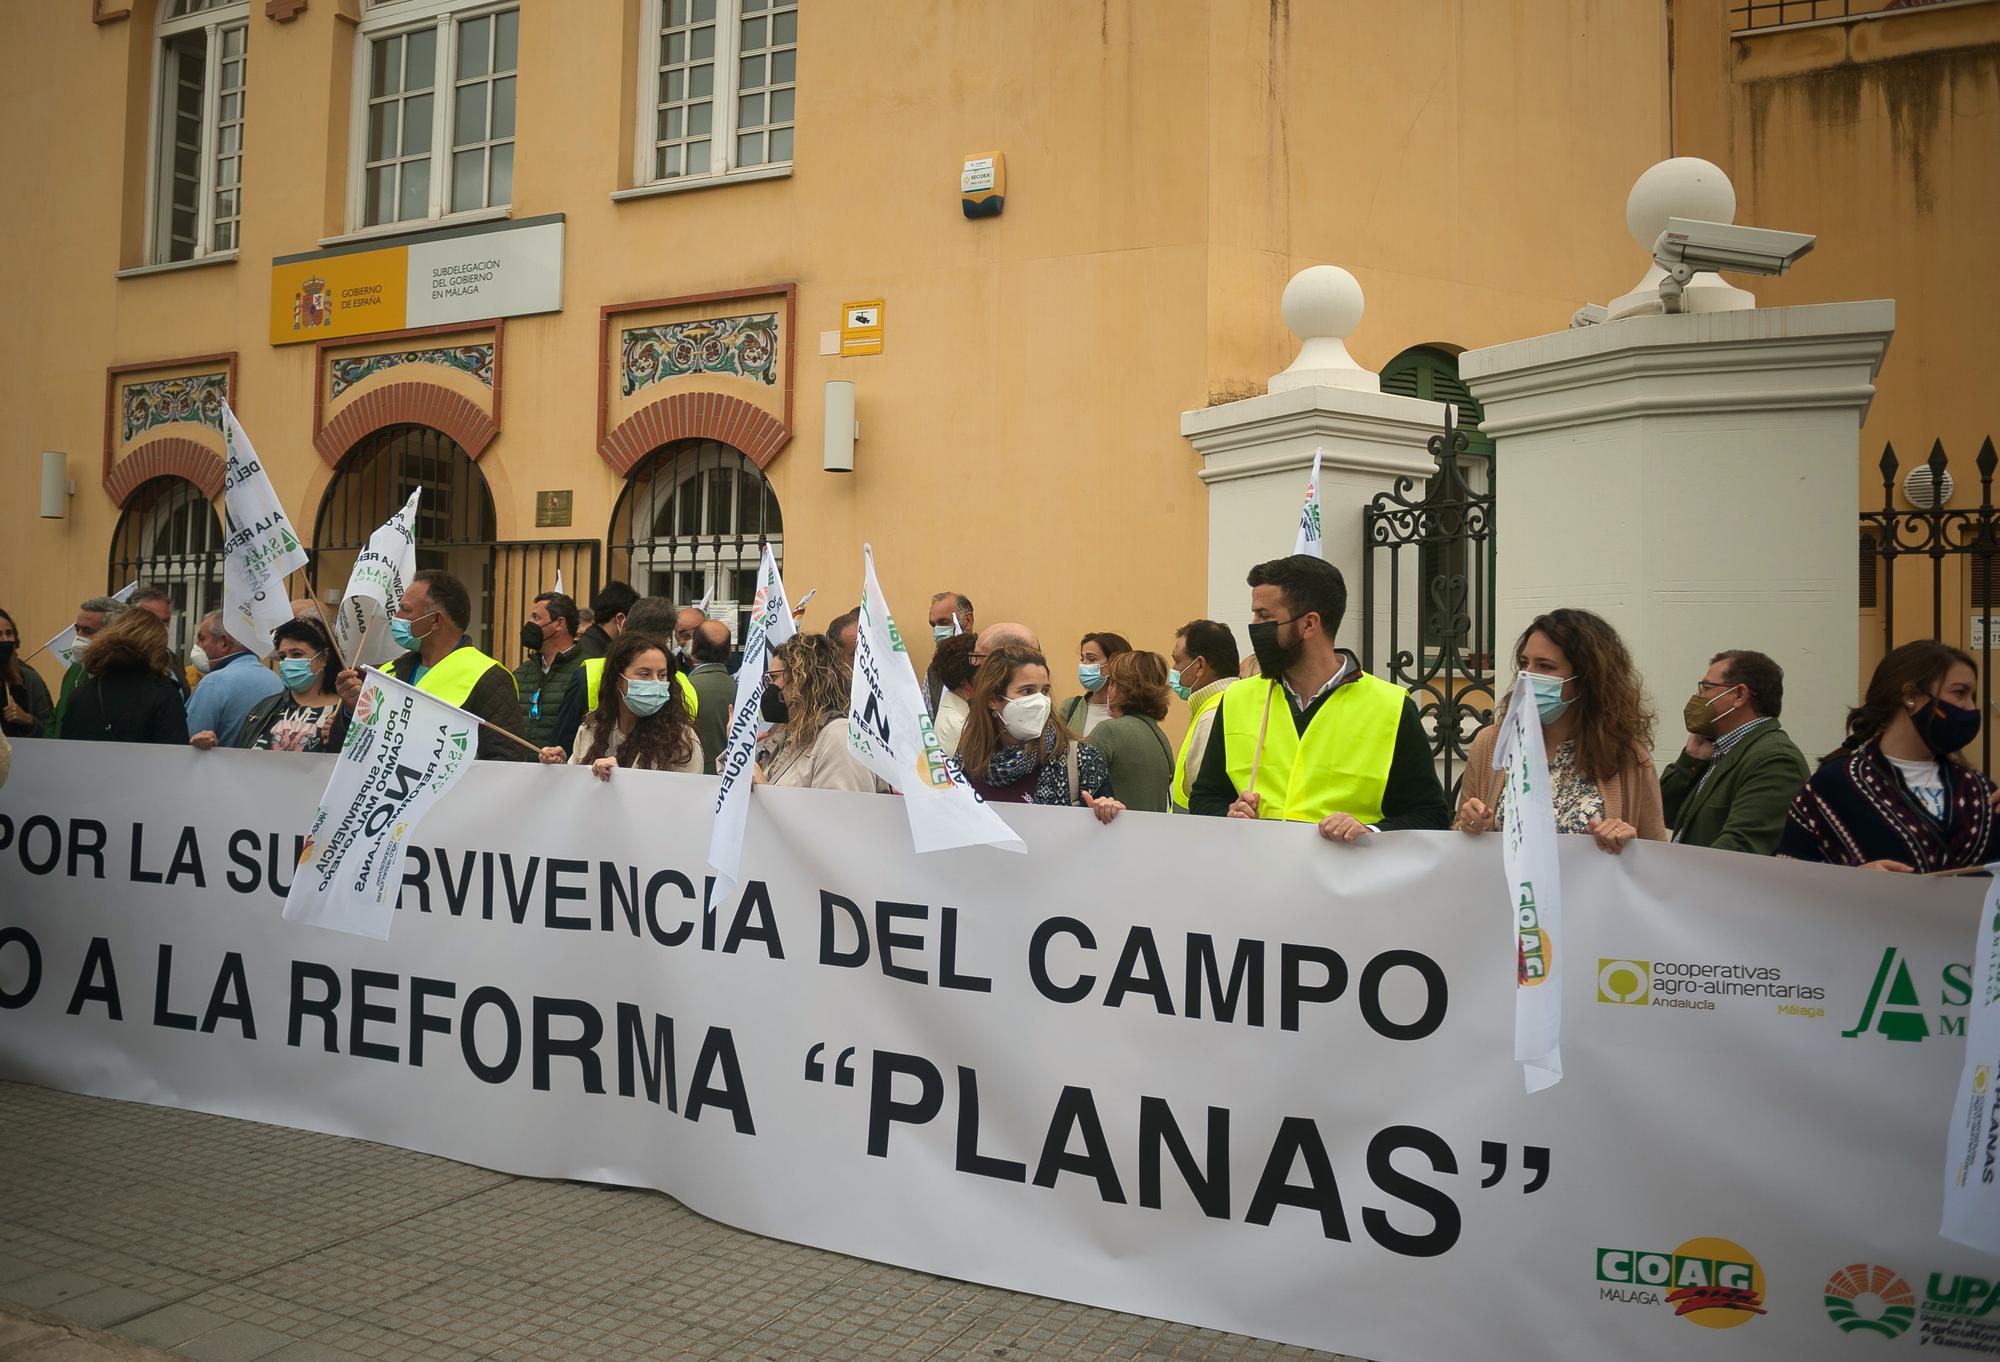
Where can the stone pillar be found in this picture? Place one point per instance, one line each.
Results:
(1692, 478)
(1257, 453)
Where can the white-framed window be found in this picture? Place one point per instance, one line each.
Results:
(719, 79)
(197, 173)
(434, 120)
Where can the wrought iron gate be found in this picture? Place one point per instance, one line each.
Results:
(1961, 545)
(1427, 582)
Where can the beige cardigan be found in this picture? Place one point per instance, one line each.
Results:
(1632, 795)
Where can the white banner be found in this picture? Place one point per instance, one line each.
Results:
(889, 731)
(1972, 1143)
(1221, 1072)
(375, 587)
(404, 749)
(1534, 887)
(63, 645)
(1310, 540)
(770, 625)
(259, 548)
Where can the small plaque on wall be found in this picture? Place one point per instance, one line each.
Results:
(552, 509)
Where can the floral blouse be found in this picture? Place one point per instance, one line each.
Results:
(1579, 802)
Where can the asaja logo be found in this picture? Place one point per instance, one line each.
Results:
(1536, 953)
(1863, 1297)
(1624, 981)
(1711, 1282)
(312, 305)
(1896, 1011)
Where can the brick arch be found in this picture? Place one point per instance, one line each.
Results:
(694, 416)
(397, 404)
(173, 456)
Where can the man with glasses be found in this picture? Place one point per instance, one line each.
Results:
(1732, 784)
(1313, 738)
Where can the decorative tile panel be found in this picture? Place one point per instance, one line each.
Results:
(162, 402)
(742, 347)
(476, 360)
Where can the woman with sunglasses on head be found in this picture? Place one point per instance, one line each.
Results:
(1896, 795)
(805, 696)
(306, 715)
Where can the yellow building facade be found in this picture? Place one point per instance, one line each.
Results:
(582, 270)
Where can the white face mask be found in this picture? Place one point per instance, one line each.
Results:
(198, 659)
(1025, 716)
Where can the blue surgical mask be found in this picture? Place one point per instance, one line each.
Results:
(647, 698)
(405, 636)
(941, 632)
(1175, 684)
(297, 673)
(1090, 675)
(1548, 692)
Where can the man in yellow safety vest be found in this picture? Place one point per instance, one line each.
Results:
(1205, 664)
(440, 660)
(1344, 749)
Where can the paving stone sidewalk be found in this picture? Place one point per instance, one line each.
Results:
(228, 1241)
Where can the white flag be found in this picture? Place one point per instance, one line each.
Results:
(1534, 888)
(64, 645)
(403, 750)
(381, 573)
(1972, 1143)
(1310, 540)
(889, 730)
(559, 589)
(259, 548)
(770, 625)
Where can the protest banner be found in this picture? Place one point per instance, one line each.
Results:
(404, 749)
(1972, 1141)
(382, 572)
(889, 731)
(259, 548)
(770, 625)
(1533, 887)
(1211, 1070)
(1310, 540)
(64, 644)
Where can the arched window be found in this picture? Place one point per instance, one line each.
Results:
(692, 523)
(455, 519)
(169, 535)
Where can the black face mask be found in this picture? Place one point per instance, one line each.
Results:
(1274, 659)
(7, 650)
(773, 708)
(1945, 727)
(531, 636)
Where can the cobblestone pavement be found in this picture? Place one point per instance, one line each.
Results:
(229, 1240)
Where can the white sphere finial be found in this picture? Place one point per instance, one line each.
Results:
(1684, 187)
(1323, 306)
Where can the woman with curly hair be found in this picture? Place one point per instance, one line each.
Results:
(1015, 751)
(1896, 795)
(128, 693)
(805, 695)
(1597, 729)
(1138, 756)
(639, 721)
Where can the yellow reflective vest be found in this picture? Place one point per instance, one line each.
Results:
(593, 679)
(1178, 790)
(456, 673)
(1340, 764)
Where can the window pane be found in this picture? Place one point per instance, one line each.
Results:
(474, 38)
(668, 163)
(750, 149)
(750, 73)
(677, 11)
(672, 90)
(503, 107)
(781, 106)
(469, 119)
(501, 188)
(701, 43)
(225, 203)
(382, 130)
(226, 171)
(675, 51)
(224, 237)
(231, 140)
(704, 11)
(506, 40)
(785, 28)
(468, 175)
(232, 42)
(416, 200)
(421, 64)
(417, 124)
(753, 33)
(750, 111)
(701, 81)
(781, 145)
(381, 195)
(385, 61)
(670, 125)
(230, 108)
(699, 116)
(755, 6)
(784, 67)
(697, 158)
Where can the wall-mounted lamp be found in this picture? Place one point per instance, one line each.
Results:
(57, 489)
(841, 428)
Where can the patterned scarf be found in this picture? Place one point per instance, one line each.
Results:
(1012, 764)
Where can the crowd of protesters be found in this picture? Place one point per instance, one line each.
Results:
(1298, 731)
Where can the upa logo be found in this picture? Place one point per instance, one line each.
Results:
(368, 709)
(1536, 952)
(1715, 1283)
(1866, 1298)
(1625, 981)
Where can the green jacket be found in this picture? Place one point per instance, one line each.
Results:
(542, 691)
(1742, 804)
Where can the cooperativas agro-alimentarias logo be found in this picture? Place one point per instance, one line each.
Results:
(1715, 1283)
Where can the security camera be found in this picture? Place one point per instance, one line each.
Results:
(1687, 247)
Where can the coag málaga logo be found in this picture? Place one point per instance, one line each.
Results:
(1865, 1298)
(1711, 1282)
(1536, 951)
